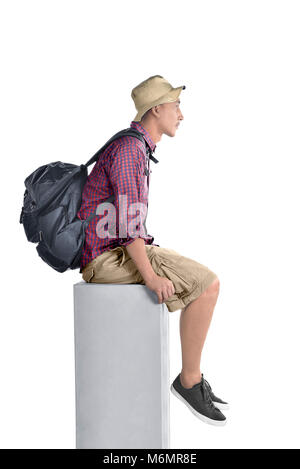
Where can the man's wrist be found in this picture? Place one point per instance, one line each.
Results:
(149, 276)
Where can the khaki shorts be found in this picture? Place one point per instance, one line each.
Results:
(189, 278)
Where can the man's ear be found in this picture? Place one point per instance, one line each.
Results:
(157, 110)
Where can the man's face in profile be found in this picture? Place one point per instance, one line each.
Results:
(170, 117)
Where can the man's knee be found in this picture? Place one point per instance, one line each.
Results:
(213, 288)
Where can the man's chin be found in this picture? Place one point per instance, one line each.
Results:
(172, 133)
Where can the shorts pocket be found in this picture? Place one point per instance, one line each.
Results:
(164, 268)
(178, 269)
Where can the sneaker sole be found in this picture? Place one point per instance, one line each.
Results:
(221, 406)
(217, 423)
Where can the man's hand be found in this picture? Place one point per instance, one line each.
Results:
(162, 286)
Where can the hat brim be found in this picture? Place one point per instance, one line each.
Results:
(170, 97)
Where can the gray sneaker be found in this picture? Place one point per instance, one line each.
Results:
(198, 400)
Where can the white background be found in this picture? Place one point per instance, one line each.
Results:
(225, 192)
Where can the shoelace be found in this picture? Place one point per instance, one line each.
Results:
(203, 389)
(207, 384)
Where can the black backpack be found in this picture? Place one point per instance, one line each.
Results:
(52, 200)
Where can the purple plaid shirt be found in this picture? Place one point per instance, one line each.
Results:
(120, 170)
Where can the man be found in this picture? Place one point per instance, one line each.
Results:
(180, 282)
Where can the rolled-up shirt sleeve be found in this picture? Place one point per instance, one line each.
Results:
(129, 184)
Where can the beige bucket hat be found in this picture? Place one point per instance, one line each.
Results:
(152, 92)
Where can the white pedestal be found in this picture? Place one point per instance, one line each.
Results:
(121, 367)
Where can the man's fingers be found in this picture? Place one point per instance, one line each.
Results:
(159, 296)
(168, 293)
(165, 292)
(163, 295)
(171, 290)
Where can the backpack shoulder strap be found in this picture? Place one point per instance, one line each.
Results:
(126, 132)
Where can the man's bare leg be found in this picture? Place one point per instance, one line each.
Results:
(194, 324)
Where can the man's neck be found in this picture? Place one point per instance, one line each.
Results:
(152, 130)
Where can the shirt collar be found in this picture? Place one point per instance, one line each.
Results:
(136, 125)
